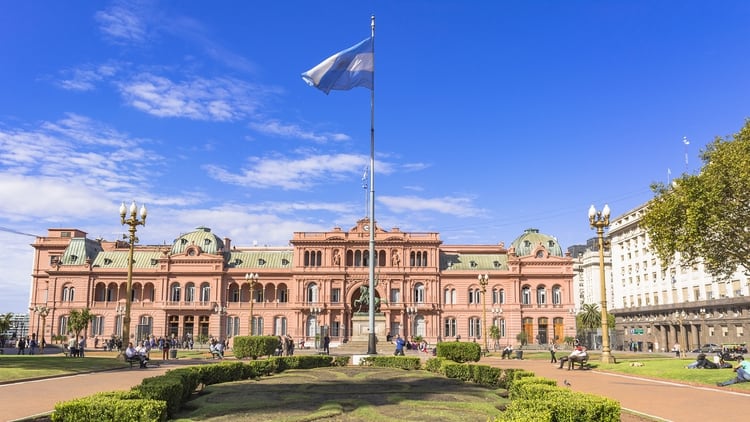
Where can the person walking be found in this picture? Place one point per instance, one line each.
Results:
(552, 351)
(164, 348)
(400, 342)
(327, 345)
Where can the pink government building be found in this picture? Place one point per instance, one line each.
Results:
(203, 285)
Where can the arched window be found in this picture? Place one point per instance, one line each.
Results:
(526, 295)
(174, 292)
(282, 293)
(312, 293)
(233, 326)
(556, 295)
(475, 296)
(449, 329)
(63, 325)
(234, 293)
(419, 293)
(450, 296)
(190, 293)
(279, 326)
(541, 295)
(312, 326)
(97, 325)
(257, 326)
(205, 293)
(475, 327)
(68, 293)
(502, 296)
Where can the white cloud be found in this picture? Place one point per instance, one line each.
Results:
(295, 174)
(219, 99)
(122, 23)
(458, 206)
(85, 78)
(70, 167)
(276, 128)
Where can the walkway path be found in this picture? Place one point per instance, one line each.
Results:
(660, 400)
(663, 401)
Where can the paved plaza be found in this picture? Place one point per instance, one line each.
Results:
(659, 400)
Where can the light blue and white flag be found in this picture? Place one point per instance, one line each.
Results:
(344, 70)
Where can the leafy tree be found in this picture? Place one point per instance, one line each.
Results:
(79, 320)
(590, 318)
(495, 335)
(705, 217)
(522, 338)
(5, 322)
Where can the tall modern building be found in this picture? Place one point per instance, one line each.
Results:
(659, 306)
(204, 285)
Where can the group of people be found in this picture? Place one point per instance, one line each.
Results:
(140, 353)
(402, 343)
(286, 345)
(29, 342)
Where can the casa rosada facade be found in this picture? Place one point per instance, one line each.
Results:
(203, 285)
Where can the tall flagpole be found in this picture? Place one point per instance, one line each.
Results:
(372, 339)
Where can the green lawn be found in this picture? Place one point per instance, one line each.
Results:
(14, 367)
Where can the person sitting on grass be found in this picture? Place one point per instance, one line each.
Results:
(702, 363)
(743, 373)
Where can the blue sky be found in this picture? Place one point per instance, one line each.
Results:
(490, 117)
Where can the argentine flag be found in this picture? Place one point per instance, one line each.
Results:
(344, 70)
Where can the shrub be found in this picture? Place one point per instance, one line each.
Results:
(402, 362)
(341, 360)
(485, 374)
(517, 389)
(110, 407)
(527, 411)
(166, 388)
(459, 352)
(254, 346)
(435, 365)
(456, 370)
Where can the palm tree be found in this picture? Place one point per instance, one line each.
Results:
(590, 318)
(5, 323)
(79, 320)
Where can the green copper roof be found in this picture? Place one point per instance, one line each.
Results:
(201, 237)
(531, 239)
(478, 262)
(79, 250)
(262, 259)
(119, 259)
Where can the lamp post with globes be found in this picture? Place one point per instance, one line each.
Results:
(600, 221)
(41, 311)
(130, 217)
(252, 278)
(483, 280)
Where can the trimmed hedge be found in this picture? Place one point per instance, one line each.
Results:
(111, 406)
(459, 352)
(401, 362)
(254, 346)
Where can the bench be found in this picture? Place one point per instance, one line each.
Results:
(215, 354)
(70, 353)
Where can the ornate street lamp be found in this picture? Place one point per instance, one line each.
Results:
(41, 311)
(483, 280)
(130, 217)
(220, 310)
(412, 312)
(252, 278)
(600, 221)
(314, 312)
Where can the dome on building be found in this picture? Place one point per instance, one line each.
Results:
(531, 239)
(201, 237)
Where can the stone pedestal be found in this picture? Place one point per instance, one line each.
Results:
(361, 327)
